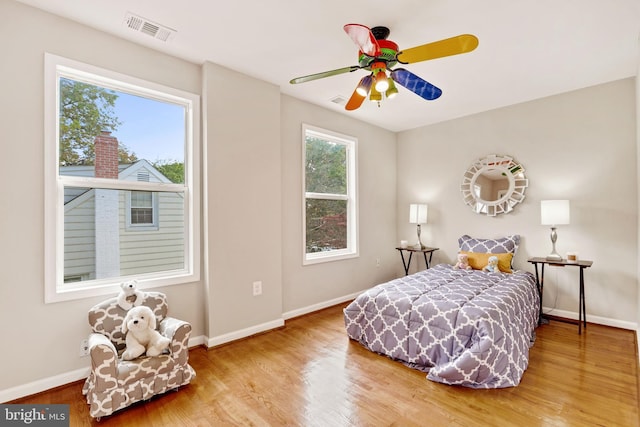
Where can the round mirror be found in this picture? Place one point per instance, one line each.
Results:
(494, 185)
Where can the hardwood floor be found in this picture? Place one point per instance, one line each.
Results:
(310, 374)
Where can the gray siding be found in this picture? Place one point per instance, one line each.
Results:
(158, 250)
(79, 239)
(141, 249)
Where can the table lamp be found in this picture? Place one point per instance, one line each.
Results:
(553, 213)
(418, 215)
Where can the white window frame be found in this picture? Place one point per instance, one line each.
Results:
(352, 249)
(154, 225)
(55, 288)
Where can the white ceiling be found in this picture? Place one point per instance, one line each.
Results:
(528, 49)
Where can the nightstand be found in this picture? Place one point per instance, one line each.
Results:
(411, 250)
(582, 264)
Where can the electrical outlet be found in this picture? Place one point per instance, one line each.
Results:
(257, 288)
(84, 348)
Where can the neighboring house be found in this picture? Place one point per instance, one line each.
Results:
(110, 232)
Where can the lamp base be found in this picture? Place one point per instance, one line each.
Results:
(554, 257)
(419, 244)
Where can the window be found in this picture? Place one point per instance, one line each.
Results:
(142, 211)
(141, 207)
(121, 182)
(330, 205)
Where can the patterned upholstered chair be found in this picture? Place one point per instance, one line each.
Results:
(114, 383)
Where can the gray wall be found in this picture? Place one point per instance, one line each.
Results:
(312, 284)
(243, 201)
(579, 146)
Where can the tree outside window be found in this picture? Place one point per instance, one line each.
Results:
(330, 204)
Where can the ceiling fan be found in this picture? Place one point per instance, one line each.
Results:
(379, 55)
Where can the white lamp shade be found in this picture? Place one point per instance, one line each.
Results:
(554, 212)
(417, 214)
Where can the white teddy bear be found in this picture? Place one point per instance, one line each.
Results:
(130, 293)
(140, 327)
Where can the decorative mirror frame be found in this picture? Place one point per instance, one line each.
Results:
(513, 195)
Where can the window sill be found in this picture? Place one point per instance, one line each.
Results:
(75, 291)
(322, 257)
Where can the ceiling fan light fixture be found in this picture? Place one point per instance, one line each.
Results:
(393, 90)
(375, 95)
(365, 85)
(382, 82)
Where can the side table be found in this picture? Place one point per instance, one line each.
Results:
(582, 317)
(411, 251)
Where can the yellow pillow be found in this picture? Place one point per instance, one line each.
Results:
(478, 260)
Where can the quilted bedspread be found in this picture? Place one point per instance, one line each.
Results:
(464, 327)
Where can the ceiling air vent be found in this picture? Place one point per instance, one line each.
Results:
(150, 28)
(339, 99)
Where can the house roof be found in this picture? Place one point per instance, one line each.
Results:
(527, 50)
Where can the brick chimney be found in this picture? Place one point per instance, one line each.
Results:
(106, 150)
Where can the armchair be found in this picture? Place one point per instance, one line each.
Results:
(114, 383)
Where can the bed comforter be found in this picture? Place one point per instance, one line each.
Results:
(463, 327)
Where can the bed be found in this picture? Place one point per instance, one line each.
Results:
(463, 327)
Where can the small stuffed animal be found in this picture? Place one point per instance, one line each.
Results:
(463, 262)
(140, 327)
(492, 266)
(128, 294)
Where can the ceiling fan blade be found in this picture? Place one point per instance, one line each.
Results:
(324, 74)
(415, 84)
(452, 46)
(355, 101)
(364, 38)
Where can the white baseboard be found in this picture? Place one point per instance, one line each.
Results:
(197, 341)
(43, 384)
(622, 324)
(243, 333)
(315, 307)
(264, 327)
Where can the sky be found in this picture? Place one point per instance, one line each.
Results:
(153, 130)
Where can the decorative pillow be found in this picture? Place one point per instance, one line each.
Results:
(508, 244)
(478, 260)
